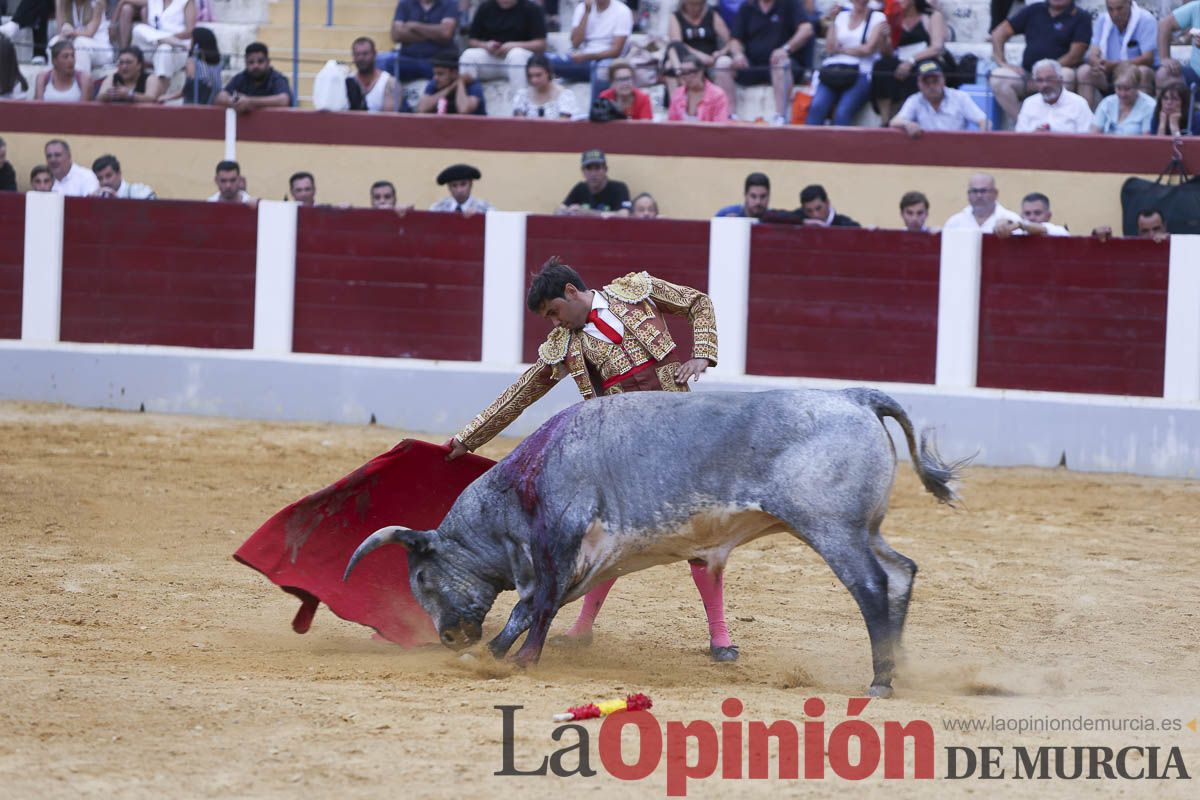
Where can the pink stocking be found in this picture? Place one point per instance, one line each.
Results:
(712, 592)
(592, 602)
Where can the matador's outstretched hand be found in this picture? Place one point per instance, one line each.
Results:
(690, 370)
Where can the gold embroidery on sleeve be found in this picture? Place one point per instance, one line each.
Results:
(697, 307)
(533, 383)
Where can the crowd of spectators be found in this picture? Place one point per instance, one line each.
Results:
(1109, 75)
(597, 195)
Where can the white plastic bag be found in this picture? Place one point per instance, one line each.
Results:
(329, 88)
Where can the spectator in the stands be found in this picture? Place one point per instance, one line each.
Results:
(1170, 115)
(449, 91)
(937, 107)
(756, 198)
(817, 211)
(165, 36)
(1056, 30)
(771, 42)
(229, 185)
(203, 80)
(1126, 34)
(1035, 209)
(129, 82)
(422, 28)
(1034, 221)
(600, 30)
(33, 14)
(632, 101)
(698, 99)
(982, 211)
(1052, 107)
(40, 179)
(695, 29)
(70, 179)
(383, 194)
(108, 172)
(370, 88)
(303, 188)
(921, 36)
(504, 35)
(645, 207)
(852, 46)
(914, 212)
(1151, 224)
(62, 83)
(259, 85)
(543, 98)
(596, 195)
(1185, 18)
(1130, 111)
(84, 23)
(459, 180)
(13, 85)
(8, 175)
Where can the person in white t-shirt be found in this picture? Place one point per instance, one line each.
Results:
(600, 30)
(228, 180)
(112, 184)
(1035, 213)
(70, 179)
(1053, 108)
(982, 211)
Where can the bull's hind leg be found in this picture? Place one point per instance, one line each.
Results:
(901, 571)
(848, 554)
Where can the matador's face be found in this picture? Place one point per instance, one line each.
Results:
(569, 311)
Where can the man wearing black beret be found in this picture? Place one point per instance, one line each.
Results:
(460, 179)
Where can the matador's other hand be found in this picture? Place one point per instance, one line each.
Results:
(690, 370)
(457, 449)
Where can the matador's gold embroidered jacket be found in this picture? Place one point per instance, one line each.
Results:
(635, 300)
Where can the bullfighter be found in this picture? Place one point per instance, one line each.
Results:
(612, 340)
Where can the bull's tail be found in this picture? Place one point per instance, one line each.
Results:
(389, 535)
(939, 477)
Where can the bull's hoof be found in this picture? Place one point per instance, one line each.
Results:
(880, 691)
(524, 660)
(723, 654)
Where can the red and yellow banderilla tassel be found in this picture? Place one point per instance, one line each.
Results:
(634, 702)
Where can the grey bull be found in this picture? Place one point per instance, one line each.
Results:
(616, 485)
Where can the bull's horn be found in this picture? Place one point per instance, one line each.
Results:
(389, 535)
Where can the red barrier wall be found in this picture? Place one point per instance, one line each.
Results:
(162, 272)
(374, 284)
(603, 249)
(12, 263)
(1073, 315)
(843, 303)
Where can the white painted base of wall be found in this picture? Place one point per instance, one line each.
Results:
(1146, 436)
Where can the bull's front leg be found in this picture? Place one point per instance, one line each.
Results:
(539, 628)
(544, 604)
(518, 623)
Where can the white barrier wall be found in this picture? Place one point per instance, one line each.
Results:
(1153, 436)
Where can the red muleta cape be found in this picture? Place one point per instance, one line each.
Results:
(306, 546)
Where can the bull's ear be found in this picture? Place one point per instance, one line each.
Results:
(418, 542)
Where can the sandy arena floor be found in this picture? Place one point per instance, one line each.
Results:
(137, 659)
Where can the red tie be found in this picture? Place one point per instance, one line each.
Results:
(604, 327)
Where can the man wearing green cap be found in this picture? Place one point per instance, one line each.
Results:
(596, 195)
